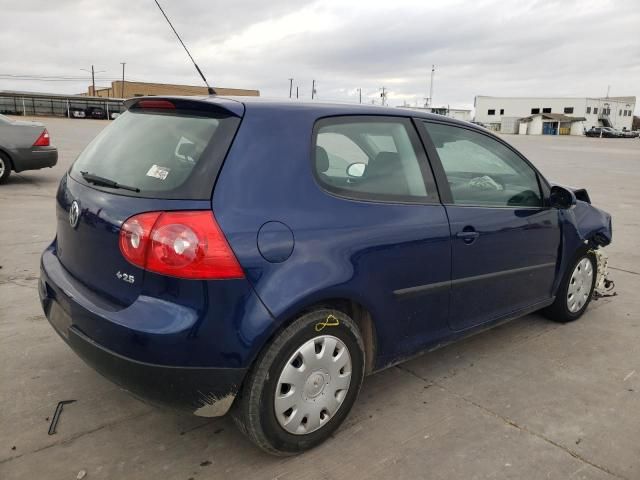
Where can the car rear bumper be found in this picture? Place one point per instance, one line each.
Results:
(34, 158)
(203, 391)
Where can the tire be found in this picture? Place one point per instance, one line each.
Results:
(5, 168)
(254, 410)
(565, 309)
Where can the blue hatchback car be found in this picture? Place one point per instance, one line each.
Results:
(261, 257)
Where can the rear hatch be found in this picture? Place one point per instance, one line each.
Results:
(160, 155)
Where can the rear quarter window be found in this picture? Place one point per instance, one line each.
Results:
(165, 155)
(372, 158)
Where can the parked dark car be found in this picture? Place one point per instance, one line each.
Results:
(604, 132)
(261, 257)
(24, 145)
(96, 113)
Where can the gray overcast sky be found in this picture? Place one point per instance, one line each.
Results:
(483, 47)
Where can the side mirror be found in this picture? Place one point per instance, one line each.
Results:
(356, 169)
(562, 198)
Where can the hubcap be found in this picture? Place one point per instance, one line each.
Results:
(312, 385)
(580, 285)
(1, 167)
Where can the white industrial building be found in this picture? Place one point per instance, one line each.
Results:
(554, 115)
(457, 113)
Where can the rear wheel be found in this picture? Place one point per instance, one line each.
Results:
(303, 385)
(5, 168)
(576, 289)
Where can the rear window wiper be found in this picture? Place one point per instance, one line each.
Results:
(105, 182)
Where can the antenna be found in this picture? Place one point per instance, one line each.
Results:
(209, 89)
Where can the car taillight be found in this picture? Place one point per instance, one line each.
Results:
(186, 244)
(43, 139)
(155, 104)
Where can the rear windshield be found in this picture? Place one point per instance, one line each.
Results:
(176, 155)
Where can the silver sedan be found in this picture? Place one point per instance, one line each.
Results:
(24, 145)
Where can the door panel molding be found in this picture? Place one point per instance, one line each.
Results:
(431, 287)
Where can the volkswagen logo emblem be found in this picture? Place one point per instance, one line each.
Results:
(74, 214)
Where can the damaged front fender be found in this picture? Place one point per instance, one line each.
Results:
(583, 227)
(587, 223)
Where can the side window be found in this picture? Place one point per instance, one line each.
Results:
(372, 159)
(482, 171)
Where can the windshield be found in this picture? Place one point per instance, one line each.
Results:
(162, 155)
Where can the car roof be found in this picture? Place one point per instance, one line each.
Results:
(334, 108)
(321, 109)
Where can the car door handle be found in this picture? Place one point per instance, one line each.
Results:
(468, 236)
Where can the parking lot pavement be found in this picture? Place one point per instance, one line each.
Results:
(527, 400)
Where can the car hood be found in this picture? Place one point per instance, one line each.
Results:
(592, 224)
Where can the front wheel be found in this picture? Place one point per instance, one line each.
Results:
(576, 289)
(303, 385)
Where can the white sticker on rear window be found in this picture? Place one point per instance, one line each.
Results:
(158, 172)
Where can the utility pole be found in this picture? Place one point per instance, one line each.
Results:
(122, 89)
(359, 95)
(93, 78)
(93, 81)
(313, 89)
(297, 91)
(383, 95)
(290, 87)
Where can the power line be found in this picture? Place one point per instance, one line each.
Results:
(52, 78)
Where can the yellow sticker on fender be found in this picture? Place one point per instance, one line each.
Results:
(331, 321)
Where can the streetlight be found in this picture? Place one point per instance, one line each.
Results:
(122, 89)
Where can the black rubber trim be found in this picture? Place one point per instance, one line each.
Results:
(421, 289)
(432, 287)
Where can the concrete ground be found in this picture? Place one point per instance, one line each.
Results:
(527, 400)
